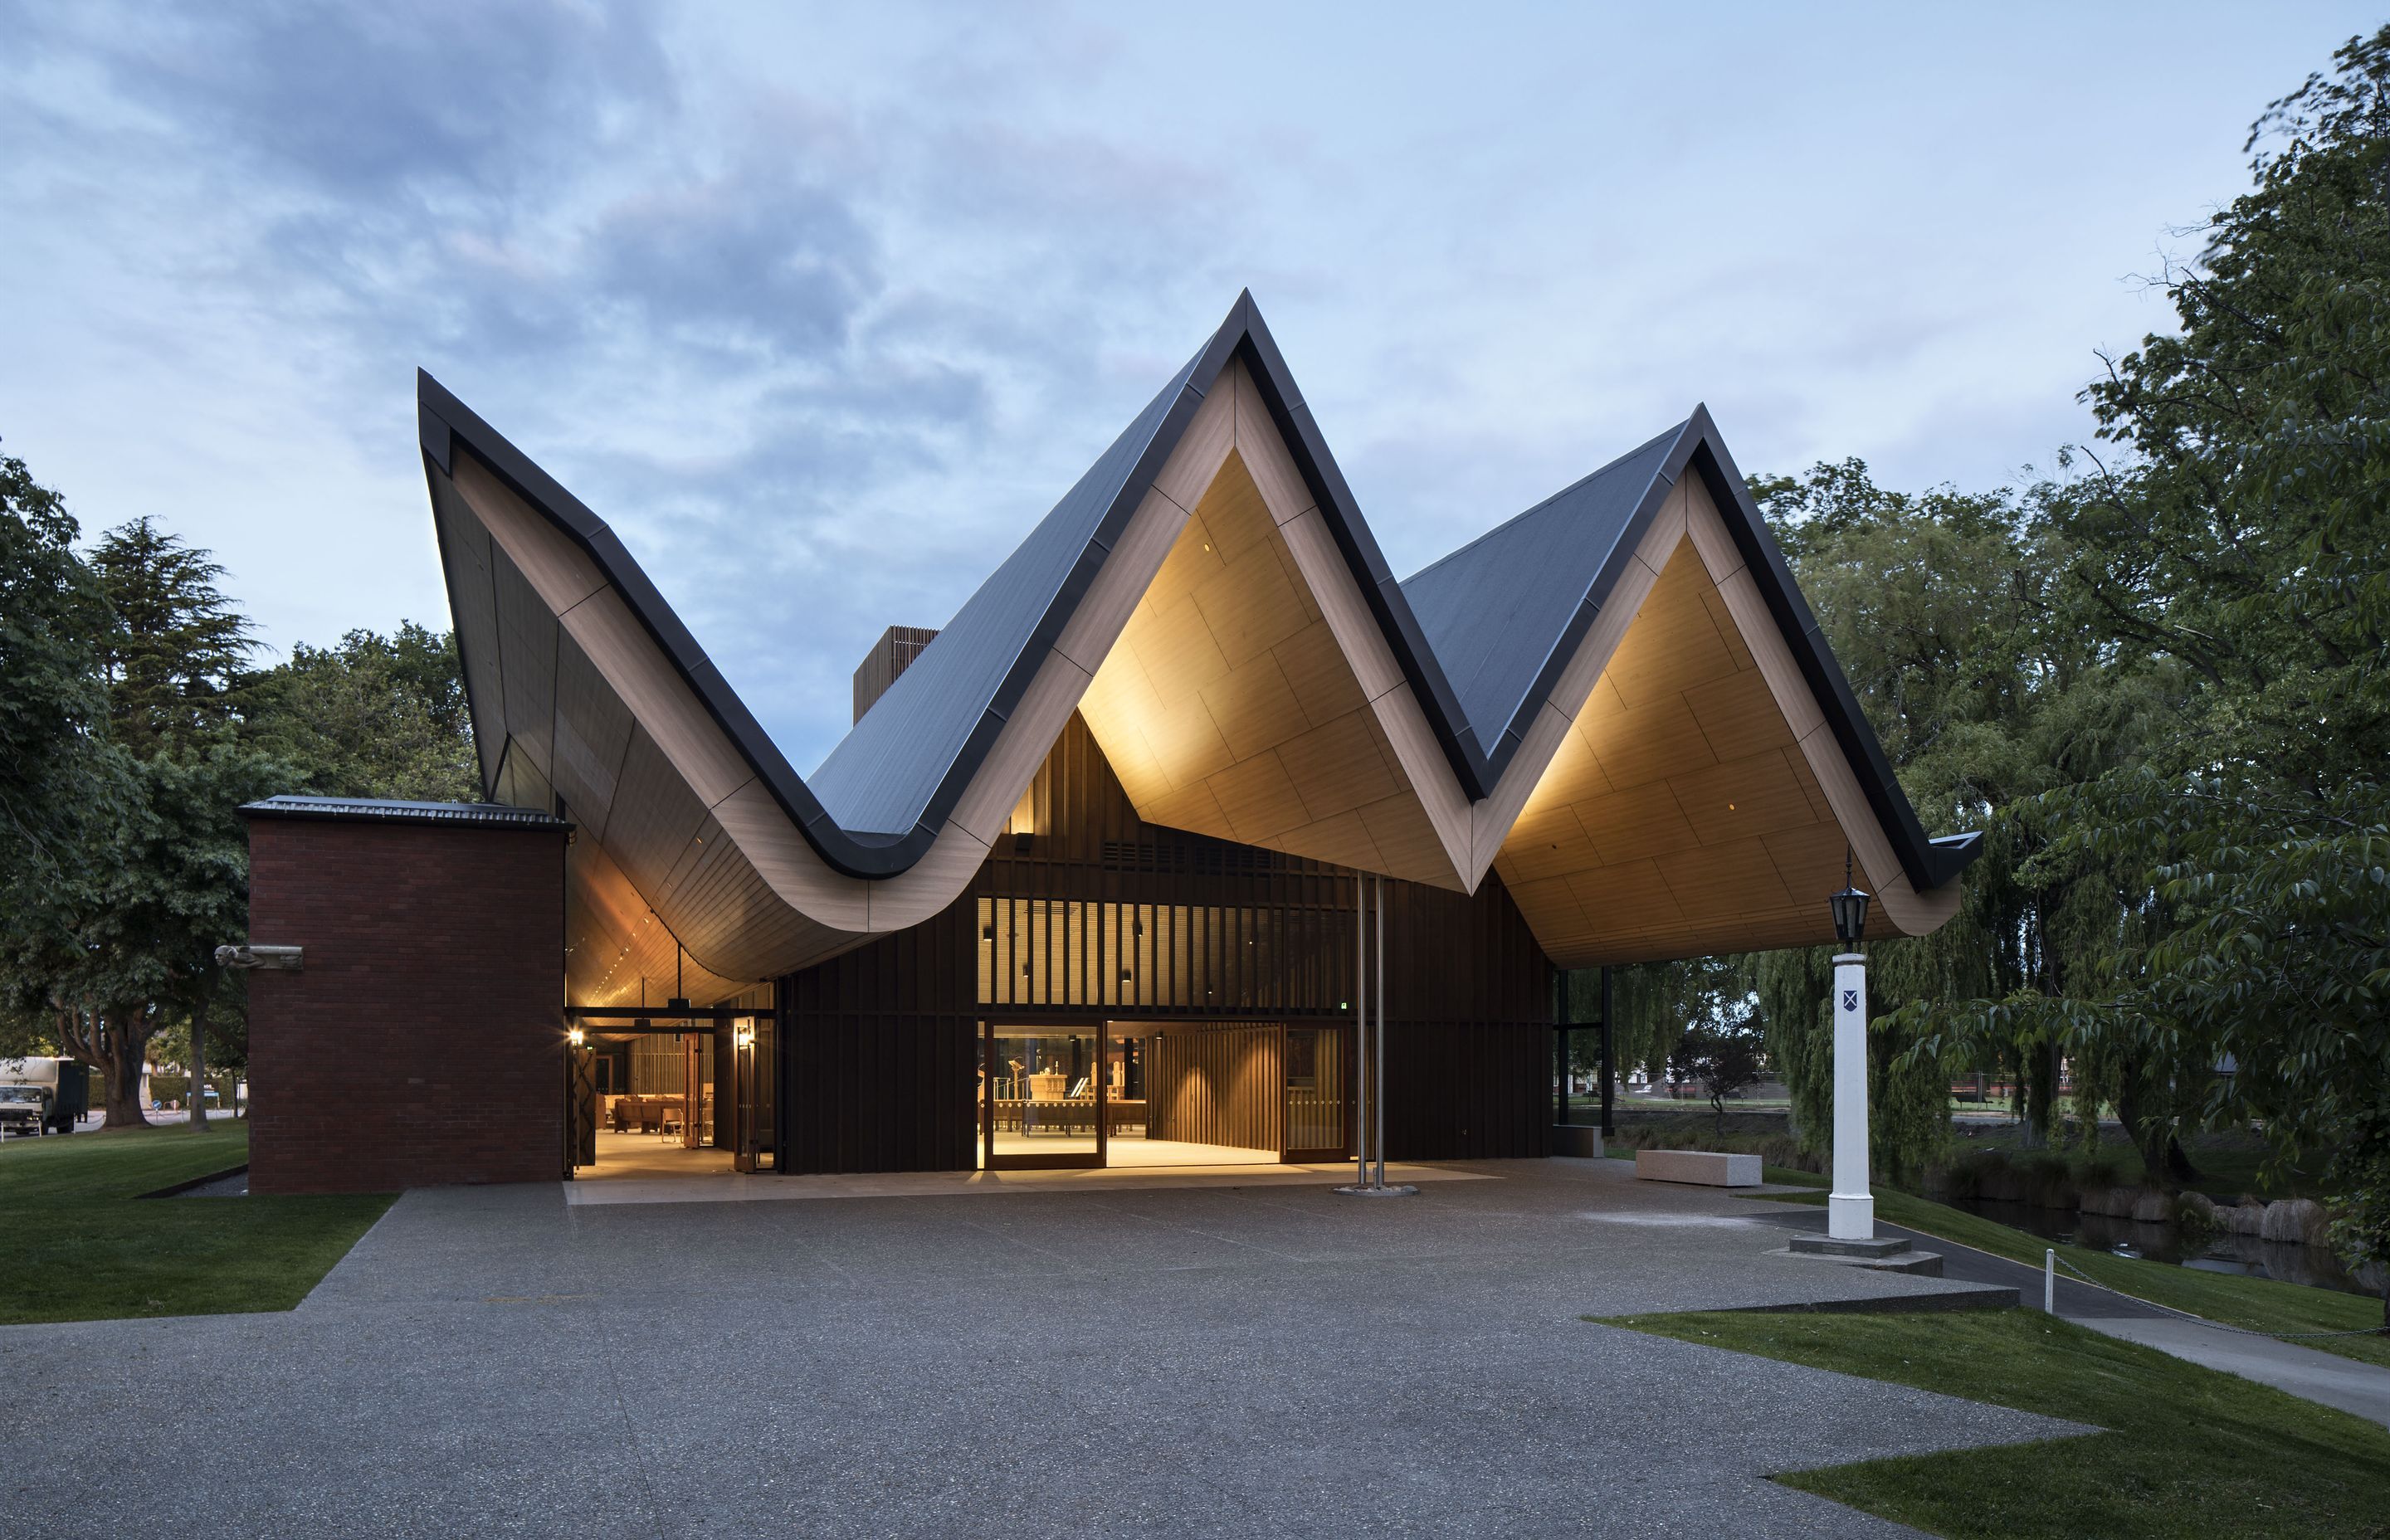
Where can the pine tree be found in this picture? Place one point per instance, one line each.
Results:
(177, 646)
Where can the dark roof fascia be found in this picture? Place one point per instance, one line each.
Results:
(446, 421)
(1075, 583)
(486, 768)
(368, 810)
(1928, 862)
(448, 424)
(1544, 690)
(1382, 590)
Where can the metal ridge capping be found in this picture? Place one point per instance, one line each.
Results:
(380, 810)
(866, 818)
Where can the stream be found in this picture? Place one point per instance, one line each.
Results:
(2285, 1261)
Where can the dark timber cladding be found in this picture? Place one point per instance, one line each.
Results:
(1085, 913)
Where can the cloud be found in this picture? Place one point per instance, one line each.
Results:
(822, 308)
(760, 258)
(368, 104)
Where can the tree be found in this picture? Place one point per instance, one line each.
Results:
(1908, 1093)
(2242, 540)
(1952, 616)
(56, 781)
(374, 716)
(62, 786)
(130, 950)
(178, 647)
(175, 664)
(1721, 1056)
(1653, 1005)
(132, 733)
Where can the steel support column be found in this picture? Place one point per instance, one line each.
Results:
(1608, 1063)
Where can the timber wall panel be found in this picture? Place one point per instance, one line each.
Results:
(879, 1055)
(1222, 1085)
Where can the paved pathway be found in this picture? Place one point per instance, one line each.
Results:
(2363, 1389)
(1178, 1361)
(2325, 1378)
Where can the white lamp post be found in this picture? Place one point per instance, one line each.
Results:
(1850, 1208)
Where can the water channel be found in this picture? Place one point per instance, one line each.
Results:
(2247, 1255)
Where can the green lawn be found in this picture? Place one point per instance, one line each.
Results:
(81, 1244)
(2187, 1451)
(2259, 1303)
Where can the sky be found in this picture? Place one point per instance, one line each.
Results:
(822, 308)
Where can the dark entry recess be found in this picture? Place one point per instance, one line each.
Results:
(1085, 914)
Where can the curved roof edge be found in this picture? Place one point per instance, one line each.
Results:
(448, 425)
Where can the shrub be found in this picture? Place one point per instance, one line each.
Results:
(2195, 1216)
(2100, 1168)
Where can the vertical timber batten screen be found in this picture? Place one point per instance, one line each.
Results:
(1084, 912)
(1218, 1083)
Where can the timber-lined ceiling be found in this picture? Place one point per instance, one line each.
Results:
(1672, 785)
(1679, 815)
(1227, 707)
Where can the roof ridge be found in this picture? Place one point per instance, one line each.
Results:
(1529, 512)
(984, 697)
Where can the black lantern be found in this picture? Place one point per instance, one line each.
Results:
(1850, 909)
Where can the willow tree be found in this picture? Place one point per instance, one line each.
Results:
(2236, 531)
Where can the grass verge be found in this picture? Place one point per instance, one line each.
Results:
(2259, 1305)
(82, 1246)
(2187, 1452)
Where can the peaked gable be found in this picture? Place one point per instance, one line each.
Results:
(1474, 675)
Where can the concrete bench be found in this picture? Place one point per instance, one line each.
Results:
(1702, 1167)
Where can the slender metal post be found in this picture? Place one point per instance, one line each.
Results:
(1377, 1102)
(2050, 1280)
(1608, 1068)
(1560, 1048)
(1360, 1028)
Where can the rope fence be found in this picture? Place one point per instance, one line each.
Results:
(2052, 1261)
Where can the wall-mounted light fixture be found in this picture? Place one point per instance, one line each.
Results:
(576, 1036)
(744, 1034)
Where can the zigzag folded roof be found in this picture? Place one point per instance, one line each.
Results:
(891, 826)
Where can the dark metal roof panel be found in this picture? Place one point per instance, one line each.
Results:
(1547, 571)
(374, 810)
(1495, 609)
(884, 774)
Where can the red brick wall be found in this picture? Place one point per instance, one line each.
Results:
(421, 1044)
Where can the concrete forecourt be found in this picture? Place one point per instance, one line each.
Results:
(1180, 1360)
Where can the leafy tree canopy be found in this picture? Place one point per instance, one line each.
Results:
(179, 645)
(374, 716)
(54, 781)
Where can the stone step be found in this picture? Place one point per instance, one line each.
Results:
(1877, 1256)
(1828, 1246)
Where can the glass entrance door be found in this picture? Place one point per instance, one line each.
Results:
(1043, 1100)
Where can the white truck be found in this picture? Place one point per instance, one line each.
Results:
(43, 1096)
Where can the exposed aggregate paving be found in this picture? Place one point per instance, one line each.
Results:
(1181, 1362)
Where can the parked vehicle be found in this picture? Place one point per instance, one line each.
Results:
(43, 1096)
(24, 1110)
